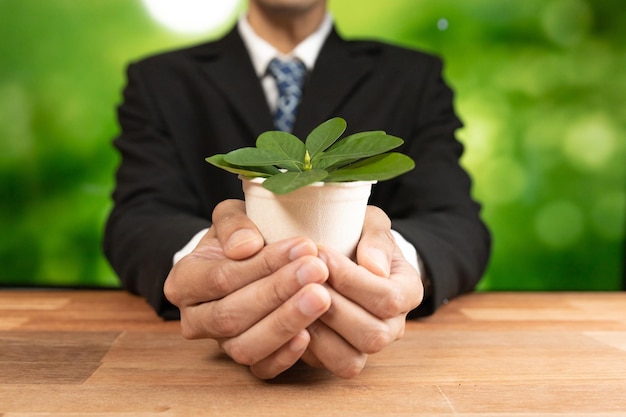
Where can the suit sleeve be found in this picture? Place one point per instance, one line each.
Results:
(155, 212)
(433, 207)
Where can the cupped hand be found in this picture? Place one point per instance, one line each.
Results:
(370, 300)
(255, 300)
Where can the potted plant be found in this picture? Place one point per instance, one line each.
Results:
(318, 187)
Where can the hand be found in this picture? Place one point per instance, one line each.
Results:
(370, 300)
(255, 300)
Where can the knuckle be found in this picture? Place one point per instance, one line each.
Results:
(274, 296)
(172, 288)
(220, 281)
(238, 352)
(277, 294)
(351, 367)
(170, 291)
(275, 366)
(376, 340)
(188, 331)
(225, 323)
(283, 326)
(393, 304)
(266, 264)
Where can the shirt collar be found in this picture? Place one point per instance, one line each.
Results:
(261, 52)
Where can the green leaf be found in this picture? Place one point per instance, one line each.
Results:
(288, 164)
(246, 157)
(218, 161)
(285, 144)
(286, 182)
(355, 147)
(375, 168)
(324, 135)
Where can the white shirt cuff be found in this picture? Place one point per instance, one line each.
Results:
(408, 250)
(186, 250)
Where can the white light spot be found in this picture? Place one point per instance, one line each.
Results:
(191, 16)
(442, 24)
(590, 142)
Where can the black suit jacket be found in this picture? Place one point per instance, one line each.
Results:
(182, 106)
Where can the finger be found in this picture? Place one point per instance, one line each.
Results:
(205, 275)
(333, 352)
(377, 244)
(310, 359)
(384, 298)
(362, 330)
(268, 335)
(240, 310)
(283, 359)
(236, 233)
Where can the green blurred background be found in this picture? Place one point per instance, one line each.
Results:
(539, 83)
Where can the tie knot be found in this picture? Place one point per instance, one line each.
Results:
(288, 74)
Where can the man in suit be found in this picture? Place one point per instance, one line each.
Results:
(269, 306)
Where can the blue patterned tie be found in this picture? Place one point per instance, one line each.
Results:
(289, 77)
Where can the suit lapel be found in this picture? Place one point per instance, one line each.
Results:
(339, 69)
(337, 72)
(227, 64)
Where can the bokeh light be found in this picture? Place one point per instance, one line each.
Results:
(590, 142)
(539, 85)
(559, 224)
(192, 16)
(566, 22)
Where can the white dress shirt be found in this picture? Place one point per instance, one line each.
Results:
(261, 53)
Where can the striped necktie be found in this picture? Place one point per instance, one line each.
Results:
(289, 77)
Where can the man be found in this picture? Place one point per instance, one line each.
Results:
(269, 306)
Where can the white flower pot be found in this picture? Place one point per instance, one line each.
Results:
(331, 214)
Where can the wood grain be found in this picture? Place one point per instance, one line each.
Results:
(105, 353)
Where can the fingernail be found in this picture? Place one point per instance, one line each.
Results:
(379, 259)
(311, 304)
(310, 272)
(241, 237)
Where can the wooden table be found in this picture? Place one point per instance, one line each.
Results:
(105, 353)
